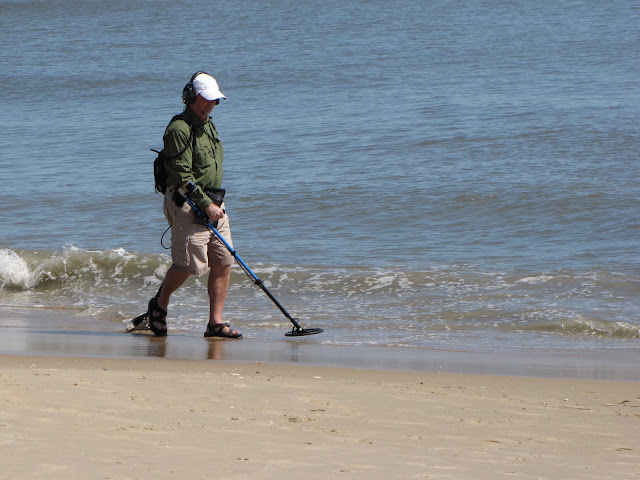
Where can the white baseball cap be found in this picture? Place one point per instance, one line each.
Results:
(207, 86)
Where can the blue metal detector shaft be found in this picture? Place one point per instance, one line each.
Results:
(297, 330)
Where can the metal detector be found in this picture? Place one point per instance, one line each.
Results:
(138, 323)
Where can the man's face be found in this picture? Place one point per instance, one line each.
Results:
(203, 107)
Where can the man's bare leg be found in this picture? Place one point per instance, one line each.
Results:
(172, 281)
(218, 286)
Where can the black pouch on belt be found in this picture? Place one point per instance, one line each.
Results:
(177, 199)
(217, 197)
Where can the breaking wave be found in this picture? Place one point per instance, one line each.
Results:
(383, 306)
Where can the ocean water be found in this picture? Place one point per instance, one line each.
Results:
(442, 174)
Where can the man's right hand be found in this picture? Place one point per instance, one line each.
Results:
(214, 212)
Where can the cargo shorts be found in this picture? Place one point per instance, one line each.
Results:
(193, 247)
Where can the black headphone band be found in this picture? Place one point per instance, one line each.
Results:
(193, 77)
(188, 92)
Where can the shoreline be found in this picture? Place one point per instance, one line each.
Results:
(45, 332)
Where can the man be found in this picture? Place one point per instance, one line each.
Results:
(194, 152)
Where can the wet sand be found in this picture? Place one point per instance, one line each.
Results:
(36, 331)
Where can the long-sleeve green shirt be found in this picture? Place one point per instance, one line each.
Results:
(201, 161)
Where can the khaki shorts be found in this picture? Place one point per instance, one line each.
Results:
(193, 247)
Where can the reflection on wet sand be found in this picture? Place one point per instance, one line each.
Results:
(16, 340)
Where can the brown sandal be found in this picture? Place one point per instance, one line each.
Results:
(217, 331)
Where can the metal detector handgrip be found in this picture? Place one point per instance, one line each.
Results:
(187, 189)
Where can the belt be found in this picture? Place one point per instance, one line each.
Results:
(215, 194)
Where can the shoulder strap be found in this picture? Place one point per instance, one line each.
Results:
(191, 135)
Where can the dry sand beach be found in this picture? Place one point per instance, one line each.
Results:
(156, 418)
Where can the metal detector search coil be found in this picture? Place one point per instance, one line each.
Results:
(297, 331)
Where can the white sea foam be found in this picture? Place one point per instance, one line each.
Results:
(534, 280)
(14, 271)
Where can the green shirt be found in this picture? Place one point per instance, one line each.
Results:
(202, 159)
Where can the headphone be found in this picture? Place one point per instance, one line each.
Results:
(189, 92)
